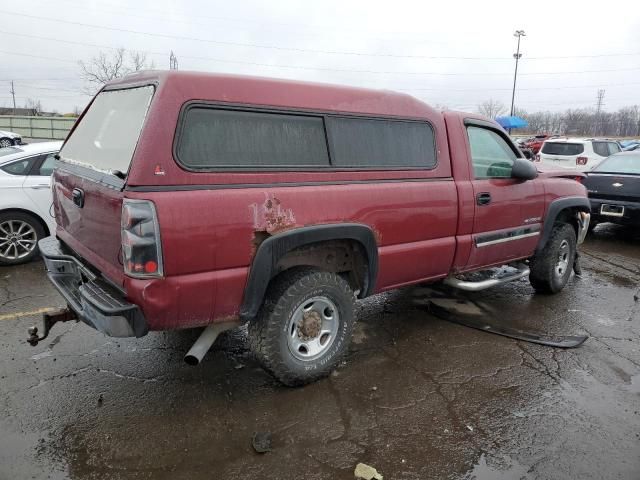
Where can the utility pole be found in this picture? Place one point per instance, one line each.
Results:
(173, 61)
(517, 55)
(13, 94)
(599, 105)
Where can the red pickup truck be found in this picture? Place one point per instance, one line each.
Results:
(188, 200)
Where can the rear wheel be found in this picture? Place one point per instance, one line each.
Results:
(551, 267)
(19, 235)
(5, 142)
(304, 326)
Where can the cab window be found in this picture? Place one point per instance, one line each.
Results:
(491, 155)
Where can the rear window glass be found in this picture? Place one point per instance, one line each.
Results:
(231, 138)
(383, 143)
(625, 163)
(562, 148)
(107, 135)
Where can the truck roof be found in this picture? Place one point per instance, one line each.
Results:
(239, 89)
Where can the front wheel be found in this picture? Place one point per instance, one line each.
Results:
(5, 142)
(551, 267)
(304, 326)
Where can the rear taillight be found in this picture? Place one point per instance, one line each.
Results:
(581, 160)
(141, 248)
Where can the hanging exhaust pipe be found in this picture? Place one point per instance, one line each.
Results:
(205, 340)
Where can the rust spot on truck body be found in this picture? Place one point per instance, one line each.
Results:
(271, 216)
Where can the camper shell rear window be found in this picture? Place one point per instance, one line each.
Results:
(108, 133)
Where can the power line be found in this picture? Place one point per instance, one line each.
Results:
(292, 49)
(38, 56)
(509, 89)
(319, 68)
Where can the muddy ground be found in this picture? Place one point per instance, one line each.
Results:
(417, 397)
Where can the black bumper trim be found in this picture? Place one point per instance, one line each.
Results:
(95, 301)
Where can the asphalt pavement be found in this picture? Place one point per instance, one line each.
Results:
(416, 398)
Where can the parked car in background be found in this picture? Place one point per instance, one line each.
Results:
(8, 139)
(535, 143)
(576, 153)
(186, 199)
(614, 190)
(25, 199)
(631, 147)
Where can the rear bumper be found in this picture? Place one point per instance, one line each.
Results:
(95, 302)
(631, 215)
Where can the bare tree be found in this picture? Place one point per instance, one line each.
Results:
(492, 108)
(34, 107)
(107, 66)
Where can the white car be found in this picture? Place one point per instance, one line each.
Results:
(25, 199)
(9, 138)
(576, 153)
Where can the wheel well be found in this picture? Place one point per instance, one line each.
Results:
(569, 215)
(44, 225)
(345, 257)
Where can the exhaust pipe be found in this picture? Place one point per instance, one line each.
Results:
(205, 340)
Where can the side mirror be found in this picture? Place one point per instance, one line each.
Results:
(523, 169)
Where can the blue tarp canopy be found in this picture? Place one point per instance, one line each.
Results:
(512, 122)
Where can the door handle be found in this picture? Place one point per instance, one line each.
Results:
(78, 197)
(40, 186)
(483, 198)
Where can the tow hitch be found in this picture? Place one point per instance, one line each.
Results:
(49, 319)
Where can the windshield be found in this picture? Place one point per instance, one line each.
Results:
(562, 148)
(9, 151)
(625, 163)
(106, 137)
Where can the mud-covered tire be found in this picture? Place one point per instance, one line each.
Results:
(269, 331)
(552, 266)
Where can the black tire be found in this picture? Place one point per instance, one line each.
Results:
(5, 142)
(270, 331)
(552, 266)
(38, 233)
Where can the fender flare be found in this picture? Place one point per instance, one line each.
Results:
(275, 247)
(555, 207)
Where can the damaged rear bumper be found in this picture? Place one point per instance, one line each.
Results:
(94, 301)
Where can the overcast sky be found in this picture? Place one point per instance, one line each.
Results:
(452, 53)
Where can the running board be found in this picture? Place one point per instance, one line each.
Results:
(558, 341)
(469, 286)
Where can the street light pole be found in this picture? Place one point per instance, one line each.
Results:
(517, 55)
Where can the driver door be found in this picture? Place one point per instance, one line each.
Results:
(508, 211)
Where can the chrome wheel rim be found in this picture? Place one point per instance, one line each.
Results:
(5, 143)
(563, 258)
(17, 239)
(313, 328)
